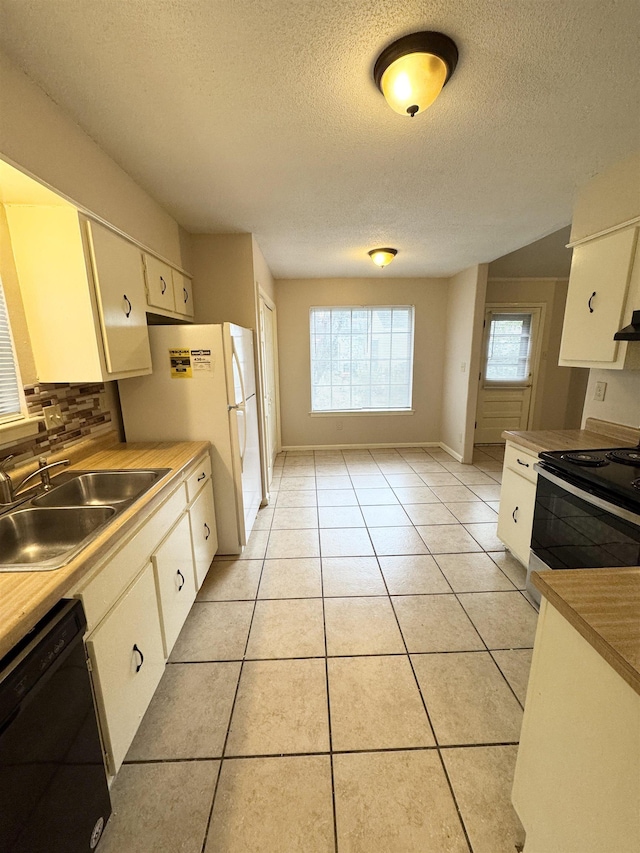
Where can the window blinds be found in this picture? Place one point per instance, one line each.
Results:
(361, 358)
(10, 402)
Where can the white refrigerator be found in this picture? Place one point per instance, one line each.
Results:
(203, 388)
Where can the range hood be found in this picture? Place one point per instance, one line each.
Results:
(631, 332)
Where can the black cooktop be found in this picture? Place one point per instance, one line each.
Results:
(609, 471)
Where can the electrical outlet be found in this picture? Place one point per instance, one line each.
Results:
(463, 367)
(338, 424)
(53, 417)
(600, 391)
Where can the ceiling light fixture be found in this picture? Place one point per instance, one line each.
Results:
(382, 257)
(411, 71)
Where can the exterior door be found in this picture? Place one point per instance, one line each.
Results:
(507, 374)
(268, 346)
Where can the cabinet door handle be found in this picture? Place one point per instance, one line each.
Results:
(164, 286)
(520, 462)
(181, 576)
(208, 529)
(202, 476)
(127, 310)
(513, 514)
(137, 651)
(589, 303)
(186, 295)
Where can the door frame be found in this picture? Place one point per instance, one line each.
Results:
(265, 300)
(536, 356)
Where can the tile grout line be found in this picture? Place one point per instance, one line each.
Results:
(233, 705)
(426, 711)
(326, 672)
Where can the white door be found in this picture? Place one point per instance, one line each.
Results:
(267, 343)
(507, 374)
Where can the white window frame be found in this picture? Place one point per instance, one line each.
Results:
(373, 410)
(14, 424)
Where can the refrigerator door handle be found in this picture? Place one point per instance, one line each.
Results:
(234, 355)
(242, 411)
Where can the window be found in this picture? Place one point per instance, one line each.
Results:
(509, 348)
(10, 390)
(361, 358)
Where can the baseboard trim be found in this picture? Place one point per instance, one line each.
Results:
(451, 452)
(393, 444)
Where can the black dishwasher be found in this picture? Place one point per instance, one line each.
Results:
(53, 789)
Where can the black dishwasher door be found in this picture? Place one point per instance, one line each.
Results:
(53, 790)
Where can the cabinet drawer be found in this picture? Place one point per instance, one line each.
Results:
(159, 283)
(109, 582)
(204, 533)
(521, 461)
(175, 581)
(200, 475)
(183, 294)
(127, 661)
(515, 519)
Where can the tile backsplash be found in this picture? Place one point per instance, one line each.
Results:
(81, 413)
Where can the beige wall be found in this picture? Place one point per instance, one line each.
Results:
(609, 199)
(38, 137)
(223, 289)
(17, 318)
(560, 390)
(296, 297)
(463, 340)
(622, 398)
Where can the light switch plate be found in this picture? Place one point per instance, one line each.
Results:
(53, 417)
(600, 391)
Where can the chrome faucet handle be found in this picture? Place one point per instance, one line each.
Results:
(4, 461)
(43, 472)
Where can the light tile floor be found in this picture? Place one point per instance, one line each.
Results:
(354, 683)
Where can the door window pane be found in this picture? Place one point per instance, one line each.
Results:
(361, 358)
(509, 348)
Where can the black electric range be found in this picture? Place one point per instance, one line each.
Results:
(587, 510)
(612, 473)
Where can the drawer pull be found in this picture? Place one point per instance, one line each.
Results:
(520, 462)
(129, 308)
(513, 514)
(589, 303)
(181, 576)
(202, 476)
(136, 650)
(208, 529)
(164, 286)
(186, 295)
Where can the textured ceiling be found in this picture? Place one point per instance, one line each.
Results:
(261, 116)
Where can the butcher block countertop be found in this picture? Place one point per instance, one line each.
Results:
(598, 434)
(603, 605)
(25, 597)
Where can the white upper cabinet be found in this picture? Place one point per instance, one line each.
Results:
(82, 287)
(159, 283)
(169, 293)
(604, 287)
(183, 294)
(119, 282)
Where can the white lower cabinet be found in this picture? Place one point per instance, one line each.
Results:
(137, 601)
(204, 533)
(515, 518)
(175, 581)
(127, 661)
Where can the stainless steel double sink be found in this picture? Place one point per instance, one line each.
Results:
(48, 529)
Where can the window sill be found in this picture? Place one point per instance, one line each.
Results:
(361, 413)
(23, 428)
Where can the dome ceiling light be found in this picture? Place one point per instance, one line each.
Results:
(382, 257)
(411, 71)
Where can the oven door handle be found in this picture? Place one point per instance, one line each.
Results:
(594, 500)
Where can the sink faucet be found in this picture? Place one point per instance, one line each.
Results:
(9, 492)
